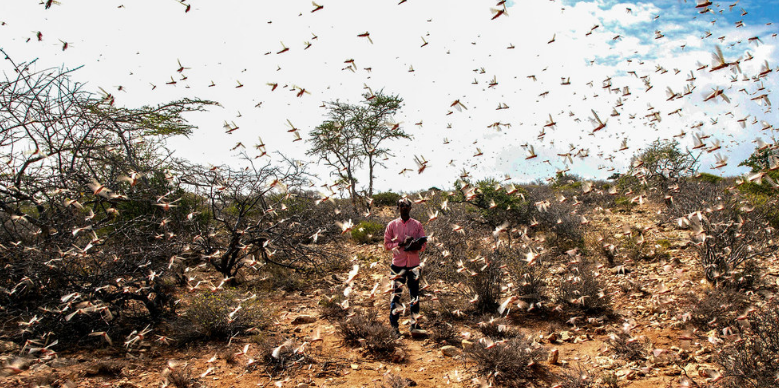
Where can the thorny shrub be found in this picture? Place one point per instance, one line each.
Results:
(628, 347)
(444, 332)
(274, 277)
(690, 195)
(578, 288)
(181, 378)
(576, 377)
(281, 357)
(715, 309)
(446, 250)
(366, 330)
(555, 216)
(392, 380)
(529, 280)
(729, 236)
(753, 361)
(511, 363)
(498, 328)
(331, 307)
(220, 315)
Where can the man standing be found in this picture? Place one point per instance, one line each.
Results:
(402, 237)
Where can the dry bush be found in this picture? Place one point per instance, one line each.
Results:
(253, 217)
(498, 328)
(578, 288)
(690, 195)
(289, 355)
(448, 249)
(67, 215)
(273, 278)
(637, 248)
(726, 239)
(487, 282)
(330, 307)
(208, 317)
(754, 360)
(182, 378)
(444, 332)
(628, 347)
(366, 330)
(446, 307)
(731, 229)
(512, 363)
(530, 284)
(576, 377)
(715, 309)
(392, 380)
(605, 247)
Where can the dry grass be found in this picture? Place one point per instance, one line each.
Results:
(511, 363)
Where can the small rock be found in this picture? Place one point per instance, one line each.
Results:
(303, 319)
(398, 355)
(449, 351)
(565, 336)
(8, 347)
(553, 355)
(466, 344)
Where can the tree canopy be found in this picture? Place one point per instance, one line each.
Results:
(355, 135)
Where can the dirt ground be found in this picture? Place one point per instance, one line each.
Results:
(641, 294)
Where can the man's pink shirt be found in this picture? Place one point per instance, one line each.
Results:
(396, 232)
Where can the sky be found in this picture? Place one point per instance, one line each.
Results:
(231, 50)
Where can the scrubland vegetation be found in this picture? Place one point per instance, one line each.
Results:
(112, 247)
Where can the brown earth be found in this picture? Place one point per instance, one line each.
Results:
(643, 297)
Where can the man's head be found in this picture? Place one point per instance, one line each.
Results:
(404, 207)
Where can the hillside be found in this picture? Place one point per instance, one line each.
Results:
(649, 335)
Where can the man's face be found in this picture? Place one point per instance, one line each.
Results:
(405, 210)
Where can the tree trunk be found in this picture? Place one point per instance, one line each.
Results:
(370, 175)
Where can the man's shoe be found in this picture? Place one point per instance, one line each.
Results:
(417, 332)
(396, 332)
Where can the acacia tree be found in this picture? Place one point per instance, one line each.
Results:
(258, 215)
(357, 134)
(83, 202)
(663, 161)
(335, 142)
(376, 128)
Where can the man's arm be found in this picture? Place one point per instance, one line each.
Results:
(390, 242)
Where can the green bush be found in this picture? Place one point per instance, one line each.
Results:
(710, 178)
(386, 199)
(208, 316)
(367, 232)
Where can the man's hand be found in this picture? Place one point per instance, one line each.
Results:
(415, 246)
